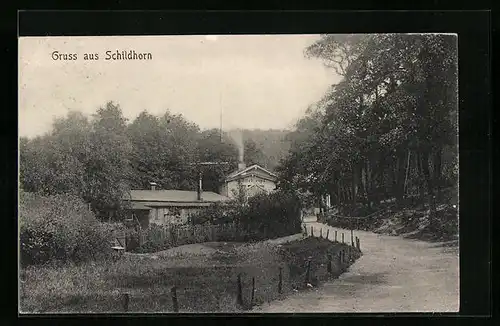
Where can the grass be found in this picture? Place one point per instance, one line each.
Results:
(205, 282)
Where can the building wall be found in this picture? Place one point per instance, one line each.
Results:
(171, 215)
(247, 182)
(143, 217)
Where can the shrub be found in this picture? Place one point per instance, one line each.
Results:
(264, 216)
(271, 215)
(60, 228)
(217, 213)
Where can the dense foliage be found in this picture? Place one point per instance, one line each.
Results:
(100, 158)
(267, 216)
(60, 228)
(217, 213)
(387, 130)
(263, 216)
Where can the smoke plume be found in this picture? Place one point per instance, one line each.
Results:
(237, 136)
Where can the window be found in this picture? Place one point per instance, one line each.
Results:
(172, 212)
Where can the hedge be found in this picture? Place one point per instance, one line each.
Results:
(61, 228)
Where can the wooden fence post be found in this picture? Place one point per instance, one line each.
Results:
(312, 231)
(280, 281)
(352, 239)
(253, 291)
(308, 272)
(240, 295)
(172, 235)
(175, 304)
(342, 237)
(335, 235)
(329, 264)
(321, 233)
(359, 244)
(327, 233)
(125, 301)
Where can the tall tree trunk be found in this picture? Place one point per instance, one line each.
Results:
(438, 179)
(430, 186)
(354, 185)
(399, 182)
(362, 183)
(369, 183)
(343, 194)
(339, 197)
(407, 170)
(421, 178)
(347, 194)
(381, 186)
(394, 178)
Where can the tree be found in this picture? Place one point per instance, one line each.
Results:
(388, 121)
(253, 153)
(211, 148)
(148, 145)
(338, 51)
(163, 147)
(55, 163)
(107, 168)
(182, 137)
(79, 157)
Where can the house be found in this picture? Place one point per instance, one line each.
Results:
(164, 207)
(251, 180)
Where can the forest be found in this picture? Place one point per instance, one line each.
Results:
(387, 130)
(99, 158)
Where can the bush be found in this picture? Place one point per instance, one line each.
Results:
(268, 216)
(217, 213)
(59, 228)
(264, 216)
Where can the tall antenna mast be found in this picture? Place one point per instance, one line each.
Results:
(220, 104)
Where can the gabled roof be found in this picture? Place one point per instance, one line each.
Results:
(258, 187)
(147, 205)
(240, 173)
(174, 196)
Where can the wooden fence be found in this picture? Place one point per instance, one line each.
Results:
(178, 235)
(250, 290)
(356, 222)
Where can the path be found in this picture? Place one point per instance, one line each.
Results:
(393, 275)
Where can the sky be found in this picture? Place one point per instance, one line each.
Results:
(258, 81)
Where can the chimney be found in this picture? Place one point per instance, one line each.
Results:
(153, 185)
(241, 166)
(200, 189)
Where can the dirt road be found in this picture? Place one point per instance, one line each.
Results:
(394, 275)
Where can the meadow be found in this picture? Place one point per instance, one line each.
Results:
(205, 276)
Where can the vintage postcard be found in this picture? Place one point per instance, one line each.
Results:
(238, 173)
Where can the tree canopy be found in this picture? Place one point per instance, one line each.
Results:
(100, 158)
(385, 128)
